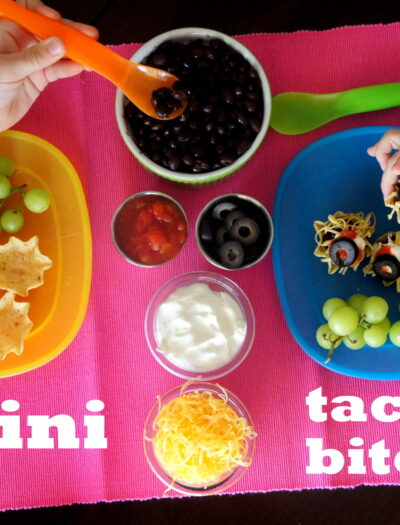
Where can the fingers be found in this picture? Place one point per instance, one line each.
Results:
(17, 66)
(390, 175)
(383, 148)
(38, 6)
(84, 28)
(63, 69)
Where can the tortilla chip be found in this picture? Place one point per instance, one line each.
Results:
(15, 325)
(22, 265)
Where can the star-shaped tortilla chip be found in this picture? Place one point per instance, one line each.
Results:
(22, 265)
(15, 325)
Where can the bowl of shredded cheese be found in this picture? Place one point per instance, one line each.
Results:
(199, 439)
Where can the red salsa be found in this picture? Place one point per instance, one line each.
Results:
(150, 229)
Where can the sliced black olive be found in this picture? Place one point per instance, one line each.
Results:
(233, 216)
(343, 252)
(222, 209)
(231, 254)
(387, 267)
(222, 235)
(246, 231)
(206, 233)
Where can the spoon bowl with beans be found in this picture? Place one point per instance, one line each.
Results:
(149, 88)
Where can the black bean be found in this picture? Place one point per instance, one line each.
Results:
(187, 159)
(201, 165)
(242, 119)
(159, 59)
(208, 108)
(251, 106)
(226, 159)
(184, 137)
(210, 125)
(222, 116)
(173, 143)
(238, 91)
(243, 146)
(217, 44)
(255, 125)
(199, 152)
(174, 162)
(228, 96)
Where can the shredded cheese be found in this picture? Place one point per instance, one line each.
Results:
(199, 438)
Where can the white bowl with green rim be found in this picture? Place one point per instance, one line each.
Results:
(209, 177)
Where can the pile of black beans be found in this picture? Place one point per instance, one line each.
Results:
(224, 110)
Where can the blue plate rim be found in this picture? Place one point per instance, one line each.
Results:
(332, 366)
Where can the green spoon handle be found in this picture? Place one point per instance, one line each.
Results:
(369, 98)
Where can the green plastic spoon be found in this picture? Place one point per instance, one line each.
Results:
(296, 113)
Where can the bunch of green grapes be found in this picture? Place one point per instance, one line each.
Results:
(357, 322)
(36, 200)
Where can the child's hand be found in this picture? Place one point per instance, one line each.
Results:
(389, 163)
(27, 66)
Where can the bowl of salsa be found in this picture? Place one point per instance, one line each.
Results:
(149, 228)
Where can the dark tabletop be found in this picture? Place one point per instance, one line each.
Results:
(125, 21)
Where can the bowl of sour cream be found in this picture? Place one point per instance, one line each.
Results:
(200, 325)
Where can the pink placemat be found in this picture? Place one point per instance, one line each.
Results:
(109, 359)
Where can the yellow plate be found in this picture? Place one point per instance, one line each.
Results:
(57, 308)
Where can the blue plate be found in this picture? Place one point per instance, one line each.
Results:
(332, 174)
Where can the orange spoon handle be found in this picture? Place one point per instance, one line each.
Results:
(79, 47)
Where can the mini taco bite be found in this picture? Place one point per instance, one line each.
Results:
(385, 259)
(342, 240)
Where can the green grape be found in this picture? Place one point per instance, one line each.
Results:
(12, 221)
(5, 187)
(385, 324)
(343, 320)
(394, 334)
(37, 200)
(326, 338)
(356, 300)
(330, 305)
(375, 336)
(6, 166)
(374, 309)
(355, 340)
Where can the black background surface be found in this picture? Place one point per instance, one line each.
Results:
(125, 21)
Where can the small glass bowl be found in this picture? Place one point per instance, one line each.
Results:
(217, 283)
(225, 481)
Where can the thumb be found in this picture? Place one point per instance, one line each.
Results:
(33, 59)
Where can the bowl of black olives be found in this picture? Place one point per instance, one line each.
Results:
(234, 231)
(228, 107)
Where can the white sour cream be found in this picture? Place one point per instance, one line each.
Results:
(199, 330)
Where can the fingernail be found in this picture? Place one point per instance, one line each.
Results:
(55, 46)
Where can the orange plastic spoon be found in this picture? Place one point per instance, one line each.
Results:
(136, 81)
